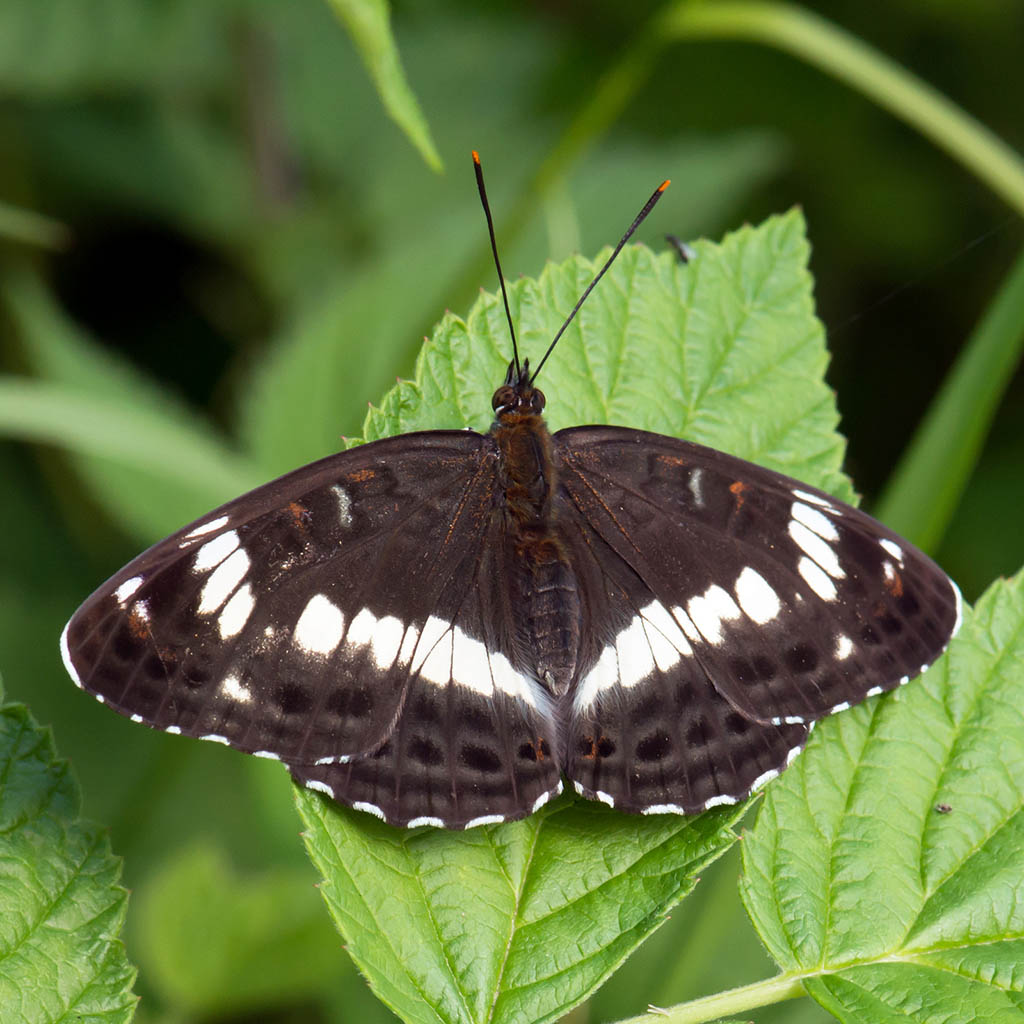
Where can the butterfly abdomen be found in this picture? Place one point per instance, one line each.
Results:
(550, 604)
(553, 617)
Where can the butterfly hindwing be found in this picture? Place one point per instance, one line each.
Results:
(793, 603)
(647, 729)
(476, 740)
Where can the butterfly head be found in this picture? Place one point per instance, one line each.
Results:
(517, 397)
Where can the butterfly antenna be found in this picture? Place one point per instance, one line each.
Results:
(648, 206)
(494, 249)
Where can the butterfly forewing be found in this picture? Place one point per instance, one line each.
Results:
(793, 603)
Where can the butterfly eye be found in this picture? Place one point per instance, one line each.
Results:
(504, 396)
(537, 400)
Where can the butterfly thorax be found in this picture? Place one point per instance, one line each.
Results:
(548, 592)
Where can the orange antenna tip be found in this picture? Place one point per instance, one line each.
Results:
(476, 157)
(665, 184)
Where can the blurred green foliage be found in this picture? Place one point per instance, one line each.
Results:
(209, 198)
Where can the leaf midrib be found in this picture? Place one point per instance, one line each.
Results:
(514, 917)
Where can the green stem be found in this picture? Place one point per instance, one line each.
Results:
(850, 60)
(923, 491)
(811, 38)
(725, 1004)
(798, 32)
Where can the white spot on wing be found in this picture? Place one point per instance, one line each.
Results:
(320, 787)
(602, 676)
(844, 647)
(788, 720)
(874, 691)
(215, 738)
(420, 822)
(204, 528)
(816, 548)
(361, 805)
(487, 819)
(320, 626)
(387, 641)
(344, 505)
(545, 797)
(236, 612)
(221, 584)
(756, 597)
(126, 589)
(141, 610)
(763, 778)
(231, 687)
(636, 660)
(696, 490)
(663, 809)
(360, 633)
(213, 552)
(817, 579)
(268, 754)
(137, 719)
(508, 681)
(605, 798)
(435, 663)
(959, 609)
(893, 548)
(470, 667)
(383, 636)
(843, 705)
(710, 609)
(814, 520)
(717, 801)
(651, 639)
(174, 730)
(814, 499)
(687, 626)
(65, 654)
(668, 642)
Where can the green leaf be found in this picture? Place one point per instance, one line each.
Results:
(725, 351)
(213, 943)
(515, 922)
(886, 869)
(152, 461)
(520, 922)
(60, 906)
(369, 24)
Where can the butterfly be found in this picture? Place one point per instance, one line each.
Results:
(438, 628)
